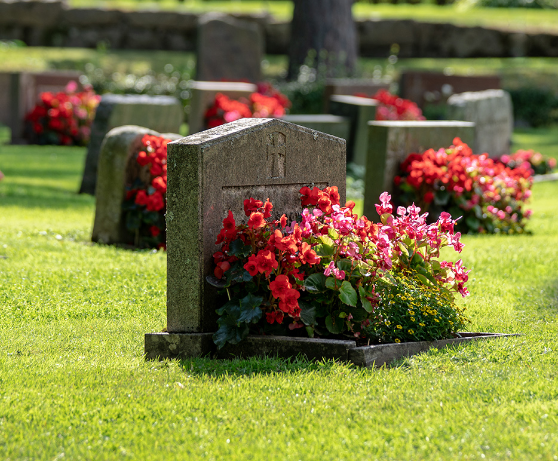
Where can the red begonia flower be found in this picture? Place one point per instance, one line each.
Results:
(256, 220)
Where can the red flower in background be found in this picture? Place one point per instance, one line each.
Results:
(64, 117)
(265, 102)
(392, 107)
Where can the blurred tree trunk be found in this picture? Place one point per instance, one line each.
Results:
(323, 33)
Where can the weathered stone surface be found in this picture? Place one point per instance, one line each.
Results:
(117, 150)
(212, 172)
(19, 92)
(492, 113)
(436, 87)
(159, 346)
(383, 354)
(31, 13)
(389, 143)
(159, 113)
(351, 87)
(326, 123)
(285, 347)
(359, 111)
(229, 49)
(92, 16)
(203, 96)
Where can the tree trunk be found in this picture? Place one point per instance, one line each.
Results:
(323, 36)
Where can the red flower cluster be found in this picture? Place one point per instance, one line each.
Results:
(64, 117)
(392, 107)
(285, 263)
(529, 159)
(145, 198)
(266, 102)
(475, 183)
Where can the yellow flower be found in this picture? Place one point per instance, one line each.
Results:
(412, 312)
(436, 320)
(421, 324)
(399, 327)
(411, 332)
(412, 319)
(397, 340)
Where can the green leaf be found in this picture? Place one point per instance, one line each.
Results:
(441, 197)
(310, 332)
(334, 324)
(347, 294)
(332, 233)
(424, 280)
(325, 240)
(231, 307)
(133, 220)
(345, 265)
(237, 273)
(229, 332)
(250, 311)
(238, 249)
(307, 313)
(150, 217)
(324, 250)
(331, 283)
(315, 283)
(367, 305)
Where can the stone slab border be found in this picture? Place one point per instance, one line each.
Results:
(160, 346)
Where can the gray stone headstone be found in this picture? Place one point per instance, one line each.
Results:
(359, 111)
(229, 49)
(118, 147)
(212, 172)
(326, 123)
(492, 113)
(203, 96)
(159, 113)
(391, 142)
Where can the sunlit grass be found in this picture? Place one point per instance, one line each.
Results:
(74, 384)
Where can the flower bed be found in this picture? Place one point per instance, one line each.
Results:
(392, 107)
(63, 118)
(333, 274)
(145, 202)
(529, 159)
(489, 196)
(266, 102)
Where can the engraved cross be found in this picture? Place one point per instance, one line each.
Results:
(276, 155)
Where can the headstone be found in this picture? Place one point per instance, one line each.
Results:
(359, 111)
(159, 113)
(391, 142)
(351, 87)
(492, 113)
(210, 173)
(436, 87)
(229, 49)
(326, 123)
(19, 93)
(118, 148)
(203, 96)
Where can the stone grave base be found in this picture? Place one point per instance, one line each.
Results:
(185, 345)
(545, 177)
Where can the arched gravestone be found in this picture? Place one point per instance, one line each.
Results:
(210, 173)
(163, 114)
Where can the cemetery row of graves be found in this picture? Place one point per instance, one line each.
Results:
(75, 380)
(299, 261)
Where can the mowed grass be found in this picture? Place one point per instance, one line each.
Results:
(506, 18)
(74, 384)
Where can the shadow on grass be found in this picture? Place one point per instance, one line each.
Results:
(44, 197)
(256, 366)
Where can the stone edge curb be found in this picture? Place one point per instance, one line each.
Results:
(159, 346)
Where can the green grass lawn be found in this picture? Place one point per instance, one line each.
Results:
(74, 384)
(506, 18)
